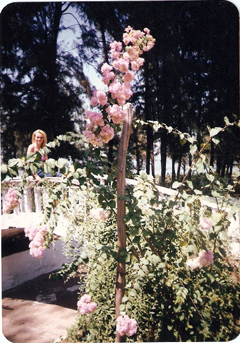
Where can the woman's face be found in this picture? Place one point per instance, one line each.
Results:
(38, 139)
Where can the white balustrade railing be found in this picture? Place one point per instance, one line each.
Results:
(35, 195)
(31, 202)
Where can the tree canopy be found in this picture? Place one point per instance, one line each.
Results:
(190, 79)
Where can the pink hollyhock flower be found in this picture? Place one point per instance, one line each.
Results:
(129, 76)
(116, 48)
(30, 232)
(99, 214)
(106, 68)
(116, 114)
(102, 98)
(96, 118)
(11, 201)
(146, 30)
(36, 251)
(94, 101)
(126, 326)
(193, 262)
(121, 92)
(149, 45)
(115, 88)
(206, 223)
(128, 28)
(137, 63)
(36, 236)
(133, 53)
(92, 138)
(121, 64)
(205, 258)
(126, 88)
(107, 72)
(107, 133)
(107, 78)
(85, 305)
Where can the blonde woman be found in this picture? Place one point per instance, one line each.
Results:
(39, 141)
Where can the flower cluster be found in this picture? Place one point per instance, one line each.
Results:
(36, 236)
(126, 61)
(204, 259)
(11, 200)
(126, 326)
(85, 305)
(99, 214)
(206, 224)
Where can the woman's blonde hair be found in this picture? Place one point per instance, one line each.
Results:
(44, 137)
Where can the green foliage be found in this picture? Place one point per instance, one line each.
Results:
(169, 300)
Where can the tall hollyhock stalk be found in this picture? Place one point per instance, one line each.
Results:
(111, 109)
(108, 106)
(121, 229)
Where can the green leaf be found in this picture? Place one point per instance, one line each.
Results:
(161, 265)
(216, 217)
(197, 192)
(136, 286)
(50, 163)
(141, 273)
(132, 293)
(222, 251)
(216, 140)
(210, 277)
(136, 239)
(215, 194)
(190, 184)
(227, 122)
(215, 131)
(176, 184)
(193, 149)
(33, 169)
(210, 177)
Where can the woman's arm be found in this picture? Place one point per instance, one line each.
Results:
(30, 149)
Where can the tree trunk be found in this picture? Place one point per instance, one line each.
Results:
(163, 156)
(121, 229)
(138, 155)
(148, 116)
(173, 166)
(179, 167)
(150, 152)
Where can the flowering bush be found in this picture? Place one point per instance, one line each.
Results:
(11, 200)
(36, 234)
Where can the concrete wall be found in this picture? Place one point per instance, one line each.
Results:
(21, 267)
